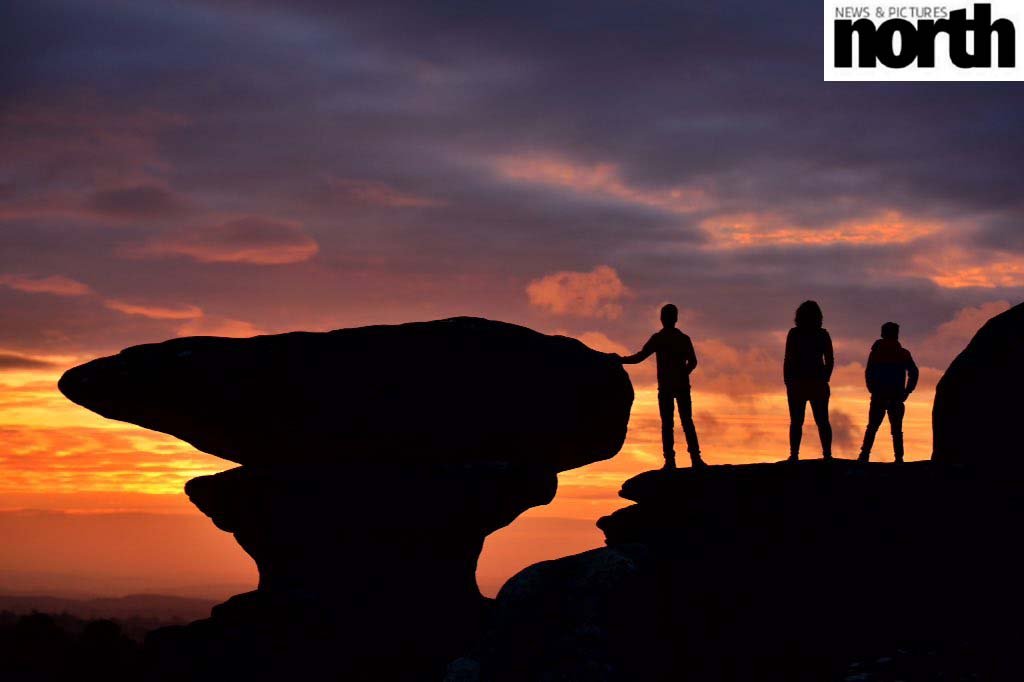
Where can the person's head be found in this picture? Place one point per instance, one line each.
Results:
(890, 330)
(669, 315)
(808, 315)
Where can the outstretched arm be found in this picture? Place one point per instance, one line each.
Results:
(644, 353)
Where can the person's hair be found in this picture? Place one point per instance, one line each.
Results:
(669, 313)
(890, 330)
(809, 315)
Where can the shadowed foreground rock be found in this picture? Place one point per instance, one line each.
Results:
(375, 462)
(773, 572)
(979, 401)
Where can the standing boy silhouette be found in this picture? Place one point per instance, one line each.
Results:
(676, 360)
(891, 376)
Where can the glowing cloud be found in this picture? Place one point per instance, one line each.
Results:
(58, 285)
(602, 180)
(219, 326)
(753, 229)
(957, 268)
(600, 341)
(154, 312)
(250, 239)
(952, 336)
(741, 373)
(958, 331)
(583, 294)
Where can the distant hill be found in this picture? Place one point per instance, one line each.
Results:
(149, 606)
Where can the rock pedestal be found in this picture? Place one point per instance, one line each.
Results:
(374, 463)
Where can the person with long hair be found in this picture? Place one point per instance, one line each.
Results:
(807, 369)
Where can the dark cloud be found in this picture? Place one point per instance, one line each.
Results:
(138, 201)
(1005, 231)
(386, 131)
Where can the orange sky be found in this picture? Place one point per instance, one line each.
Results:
(96, 505)
(61, 463)
(224, 168)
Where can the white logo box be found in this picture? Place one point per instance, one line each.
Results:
(914, 11)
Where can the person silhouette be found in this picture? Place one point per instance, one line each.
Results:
(676, 360)
(806, 370)
(891, 376)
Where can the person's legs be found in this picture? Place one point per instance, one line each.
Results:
(819, 408)
(896, 411)
(797, 407)
(876, 413)
(666, 409)
(689, 429)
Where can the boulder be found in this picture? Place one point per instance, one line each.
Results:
(374, 463)
(980, 398)
(454, 390)
(570, 618)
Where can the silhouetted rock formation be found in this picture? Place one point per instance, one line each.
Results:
(769, 571)
(376, 461)
(462, 389)
(980, 398)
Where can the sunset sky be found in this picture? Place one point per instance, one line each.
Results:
(237, 167)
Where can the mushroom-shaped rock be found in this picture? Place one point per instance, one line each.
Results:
(375, 462)
(460, 389)
(980, 398)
